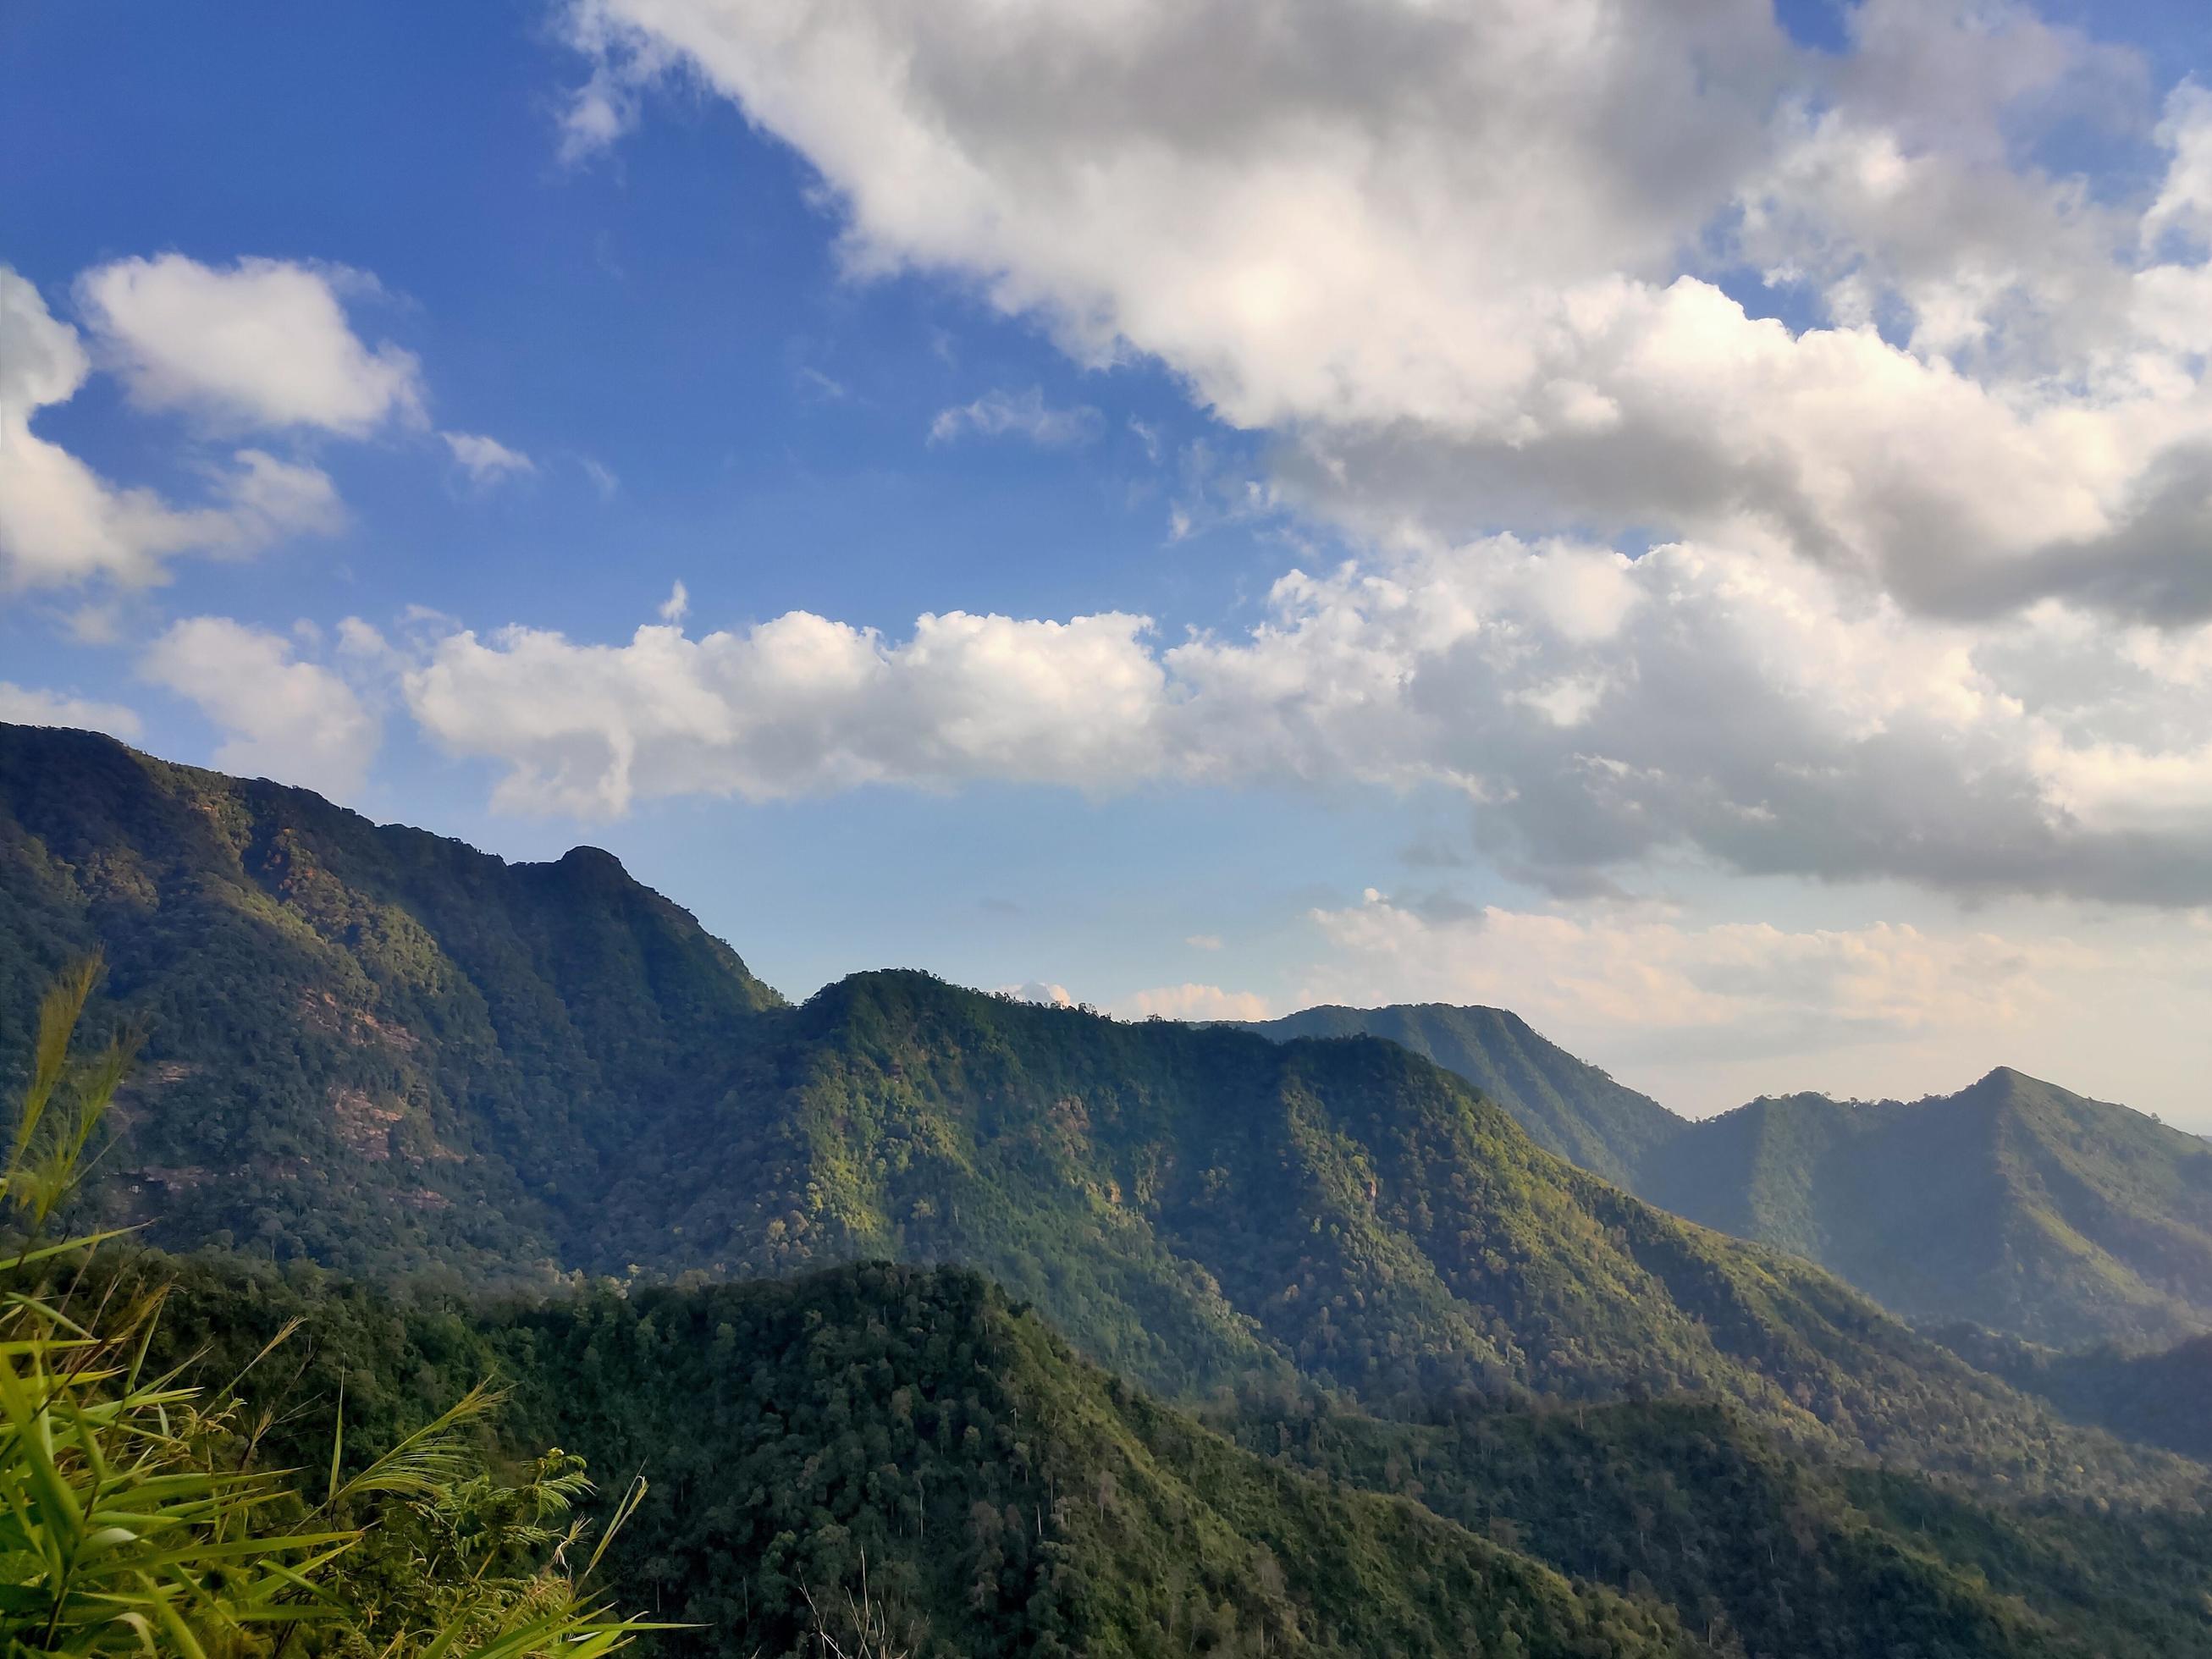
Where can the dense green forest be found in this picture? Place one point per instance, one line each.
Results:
(2159, 1396)
(1000, 1495)
(911, 1431)
(2013, 1204)
(364, 1044)
(1567, 1105)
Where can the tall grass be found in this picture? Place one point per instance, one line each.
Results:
(133, 1516)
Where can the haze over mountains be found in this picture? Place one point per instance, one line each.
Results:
(374, 1049)
(2012, 1204)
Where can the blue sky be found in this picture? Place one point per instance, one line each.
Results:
(1146, 349)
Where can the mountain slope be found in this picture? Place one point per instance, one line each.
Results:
(1567, 1105)
(911, 1433)
(1004, 1497)
(2157, 1398)
(1761, 1552)
(2012, 1204)
(362, 1044)
(1193, 1205)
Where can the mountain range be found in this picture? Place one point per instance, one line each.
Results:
(2012, 1204)
(1221, 1341)
(384, 1052)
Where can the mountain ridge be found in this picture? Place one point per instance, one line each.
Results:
(2012, 1203)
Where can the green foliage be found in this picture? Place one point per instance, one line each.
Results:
(1762, 1551)
(913, 1431)
(2157, 1397)
(2013, 1204)
(1196, 1208)
(897, 1461)
(135, 1517)
(364, 1044)
(1568, 1106)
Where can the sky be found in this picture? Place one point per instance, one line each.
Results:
(1689, 520)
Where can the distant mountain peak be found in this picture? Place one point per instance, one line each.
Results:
(592, 858)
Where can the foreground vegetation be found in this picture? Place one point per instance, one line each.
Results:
(139, 1510)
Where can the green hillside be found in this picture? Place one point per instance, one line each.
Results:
(381, 1051)
(915, 1429)
(2012, 1204)
(2157, 1397)
(913, 1433)
(364, 1044)
(1762, 1552)
(1567, 1105)
(1193, 1205)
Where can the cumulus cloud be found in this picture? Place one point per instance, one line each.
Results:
(1056, 996)
(263, 343)
(283, 716)
(23, 705)
(1914, 571)
(1595, 715)
(2183, 207)
(1021, 415)
(62, 524)
(1462, 259)
(1195, 1002)
(486, 460)
(800, 704)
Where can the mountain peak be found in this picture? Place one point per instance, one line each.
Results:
(592, 860)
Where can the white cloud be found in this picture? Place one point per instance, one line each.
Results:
(1460, 256)
(23, 705)
(282, 716)
(602, 476)
(678, 604)
(1018, 414)
(263, 343)
(1596, 715)
(1054, 996)
(1195, 1002)
(1203, 941)
(797, 705)
(1749, 980)
(1465, 263)
(2183, 207)
(486, 460)
(62, 524)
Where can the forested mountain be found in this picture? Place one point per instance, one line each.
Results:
(381, 1051)
(365, 1044)
(913, 1430)
(2012, 1204)
(2159, 1396)
(1567, 1105)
